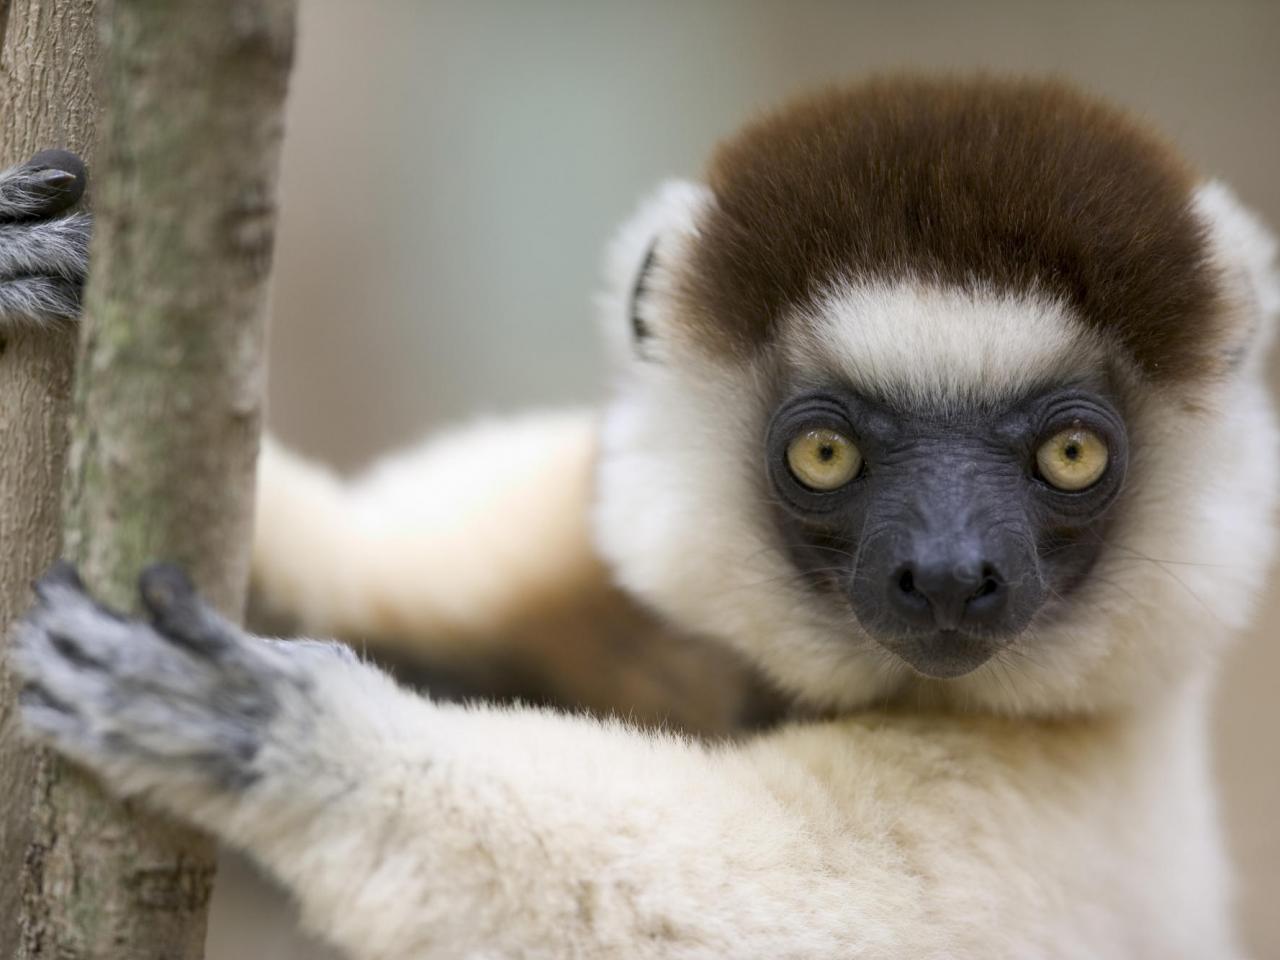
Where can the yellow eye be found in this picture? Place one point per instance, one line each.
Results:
(1073, 458)
(823, 459)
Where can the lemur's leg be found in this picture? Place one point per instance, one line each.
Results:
(467, 564)
(44, 254)
(409, 829)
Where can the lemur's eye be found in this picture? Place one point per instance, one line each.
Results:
(1072, 459)
(823, 459)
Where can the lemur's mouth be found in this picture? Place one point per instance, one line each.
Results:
(943, 654)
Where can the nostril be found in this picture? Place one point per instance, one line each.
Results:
(904, 592)
(907, 581)
(990, 584)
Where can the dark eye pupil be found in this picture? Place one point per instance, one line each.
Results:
(1072, 451)
(826, 452)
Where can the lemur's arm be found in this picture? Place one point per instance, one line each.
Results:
(409, 829)
(457, 541)
(453, 539)
(467, 564)
(44, 255)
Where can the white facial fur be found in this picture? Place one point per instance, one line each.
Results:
(917, 345)
(683, 516)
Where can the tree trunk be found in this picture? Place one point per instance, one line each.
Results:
(168, 405)
(47, 99)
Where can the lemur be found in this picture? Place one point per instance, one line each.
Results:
(941, 402)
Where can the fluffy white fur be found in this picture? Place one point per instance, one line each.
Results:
(435, 546)
(1057, 805)
(919, 345)
(665, 222)
(411, 830)
(1245, 252)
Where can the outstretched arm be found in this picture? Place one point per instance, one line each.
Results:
(467, 564)
(448, 546)
(411, 829)
(457, 541)
(453, 539)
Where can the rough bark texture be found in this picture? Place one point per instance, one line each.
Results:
(47, 87)
(167, 411)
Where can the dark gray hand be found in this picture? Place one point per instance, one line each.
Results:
(180, 696)
(44, 251)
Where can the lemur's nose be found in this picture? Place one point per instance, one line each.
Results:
(948, 594)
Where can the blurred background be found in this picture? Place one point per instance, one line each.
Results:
(452, 170)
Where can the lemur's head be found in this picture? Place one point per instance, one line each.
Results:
(945, 389)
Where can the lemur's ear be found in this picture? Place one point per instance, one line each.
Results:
(638, 267)
(1244, 251)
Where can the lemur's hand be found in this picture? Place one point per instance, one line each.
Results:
(44, 251)
(181, 704)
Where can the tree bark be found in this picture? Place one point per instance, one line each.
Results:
(47, 99)
(167, 412)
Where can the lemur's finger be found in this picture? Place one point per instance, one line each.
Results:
(34, 695)
(39, 300)
(62, 584)
(63, 573)
(46, 185)
(47, 716)
(63, 619)
(58, 247)
(50, 657)
(178, 612)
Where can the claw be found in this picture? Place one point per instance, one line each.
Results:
(63, 174)
(57, 159)
(56, 178)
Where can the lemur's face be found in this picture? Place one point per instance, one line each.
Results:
(944, 532)
(947, 392)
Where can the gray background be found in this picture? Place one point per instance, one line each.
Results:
(453, 169)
